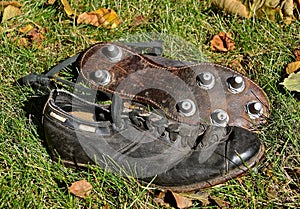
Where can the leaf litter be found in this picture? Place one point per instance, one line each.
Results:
(222, 42)
(106, 18)
(168, 198)
(81, 188)
(292, 82)
(10, 10)
(265, 9)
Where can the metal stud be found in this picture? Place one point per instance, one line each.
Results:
(236, 84)
(219, 117)
(186, 107)
(206, 80)
(113, 53)
(254, 109)
(102, 77)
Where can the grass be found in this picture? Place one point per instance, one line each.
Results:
(28, 177)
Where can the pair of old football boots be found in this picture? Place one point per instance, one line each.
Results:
(179, 125)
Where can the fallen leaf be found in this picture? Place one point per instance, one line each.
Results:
(181, 201)
(219, 202)
(222, 42)
(12, 3)
(140, 19)
(36, 36)
(50, 2)
(297, 52)
(237, 65)
(31, 36)
(27, 28)
(292, 82)
(266, 8)
(199, 196)
(81, 188)
(292, 67)
(168, 198)
(232, 6)
(68, 9)
(106, 18)
(22, 42)
(106, 207)
(9, 12)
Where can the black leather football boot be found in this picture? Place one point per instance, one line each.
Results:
(131, 140)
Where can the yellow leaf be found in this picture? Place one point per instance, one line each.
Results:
(51, 2)
(27, 28)
(292, 67)
(106, 18)
(292, 83)
(10, 12)
(68, 9)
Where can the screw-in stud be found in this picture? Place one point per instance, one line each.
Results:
(219, 117)
(112, 52)
(186, 107)
(206, 80)
(236, 84)
(102, 77)
(254, 109)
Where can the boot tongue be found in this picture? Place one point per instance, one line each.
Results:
(212, 136)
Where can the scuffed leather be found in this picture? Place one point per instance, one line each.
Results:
(198, 157)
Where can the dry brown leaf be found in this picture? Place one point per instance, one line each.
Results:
(199, 196)
(106, 18)
(36, 35)
(181, 201)
(140, 19)
(81, 188)
(292, 67)
(266, 8)
(222, 42)
(219, 202)
(297, 52)
(232, 6)
(68, 9)
(31, 36)
(168, 198)
(10, 11)
(12, 3)
(237, 65)
(22, 42)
